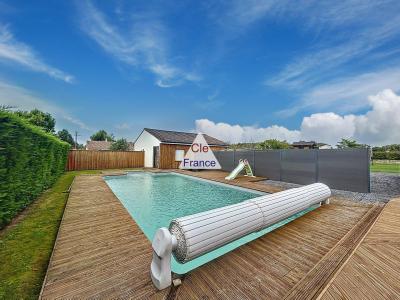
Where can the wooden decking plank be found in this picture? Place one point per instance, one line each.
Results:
(315, 281)
(373, 270)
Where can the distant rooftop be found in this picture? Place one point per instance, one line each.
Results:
(102, 145)
(98, 145)
(304, 143)
(177, 137)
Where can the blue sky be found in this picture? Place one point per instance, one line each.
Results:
(238, 70)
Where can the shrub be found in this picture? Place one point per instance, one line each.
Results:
(120, 145)
(273, 144)
(31, 160)
(390, 155)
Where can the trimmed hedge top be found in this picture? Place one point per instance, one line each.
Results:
(31, 160)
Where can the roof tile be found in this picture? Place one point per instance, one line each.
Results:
(176, 137)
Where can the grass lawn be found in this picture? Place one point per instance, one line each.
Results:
(25, 247)
(388, 168)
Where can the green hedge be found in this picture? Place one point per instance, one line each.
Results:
(30, 161)
(390, 155)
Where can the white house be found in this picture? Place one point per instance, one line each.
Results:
(165, 149)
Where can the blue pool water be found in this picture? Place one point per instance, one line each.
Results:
(154, 199)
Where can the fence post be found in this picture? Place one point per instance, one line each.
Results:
(254, 162)
(280, 164)
(316, 165)
(368, 169)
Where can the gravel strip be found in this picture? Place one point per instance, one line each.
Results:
(384, 186)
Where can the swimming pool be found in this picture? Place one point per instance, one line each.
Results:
(154, 199)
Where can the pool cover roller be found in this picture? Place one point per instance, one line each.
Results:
(192, 236)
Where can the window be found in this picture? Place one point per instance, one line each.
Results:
(179, 154)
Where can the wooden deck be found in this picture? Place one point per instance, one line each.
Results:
(100, 252)
(373, 271)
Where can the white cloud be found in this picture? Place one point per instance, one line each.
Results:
(378, 126)
(319, 63)
(327, 127)
(211, 103)
(75, 121)
(346, 31)
(13, 51)
(145, 46)
(247, 12)
(22, 99)
(214, 95)
(237, 133)
(123, 126)
(312, 14)
(346, 94)
(382, 123)
(347, 43)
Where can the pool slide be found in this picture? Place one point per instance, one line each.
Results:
(243, 164)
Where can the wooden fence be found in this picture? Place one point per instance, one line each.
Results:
(97, 160)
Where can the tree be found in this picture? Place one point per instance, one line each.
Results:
(65, 136)
(120, 145)
(242, 146)
(39, 118)
(392, 147)
(347, 143)
(273, 144)
(102, 135)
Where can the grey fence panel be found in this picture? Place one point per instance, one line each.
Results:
(345, 169)
(268, 164)
(225, 159)
(249, 155)
(299, 166)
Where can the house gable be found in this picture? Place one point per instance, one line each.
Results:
(145, 142)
